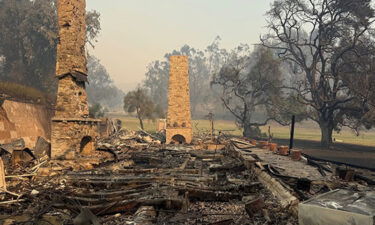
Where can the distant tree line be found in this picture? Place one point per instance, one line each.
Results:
(101, 88)
(28, 41)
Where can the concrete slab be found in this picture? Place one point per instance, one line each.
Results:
(339, 207)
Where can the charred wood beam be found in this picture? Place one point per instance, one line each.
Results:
(94, 200)
(113, 193)
(195, 194)
(135, 179)
(234, 167)
(126, 206)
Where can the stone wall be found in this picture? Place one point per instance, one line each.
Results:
(24, 120)
(179, 112)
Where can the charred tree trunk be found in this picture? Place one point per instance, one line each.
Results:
(251, 131)
(140, 119)
(141, 123)
(326, 128)
(247, 131)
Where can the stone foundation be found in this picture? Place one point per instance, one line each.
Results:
(71, 138)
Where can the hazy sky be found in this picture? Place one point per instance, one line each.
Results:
(137, 32)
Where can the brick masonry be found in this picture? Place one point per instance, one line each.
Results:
(73, 134)
(179, 112)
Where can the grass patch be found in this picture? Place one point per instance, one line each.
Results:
(310, 131)
(304, 131)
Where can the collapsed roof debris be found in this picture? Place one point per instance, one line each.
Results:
(140, 179)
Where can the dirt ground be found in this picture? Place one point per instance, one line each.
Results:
(356, 155)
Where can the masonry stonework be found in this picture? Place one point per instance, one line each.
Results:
(71, 54)
(179, 128)
(71, 98)
(73, 134)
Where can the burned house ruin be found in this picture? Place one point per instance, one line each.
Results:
(101, 173)
(72, 131)
(179, 129)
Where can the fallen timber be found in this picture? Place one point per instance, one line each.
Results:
(286, 199)
(150, 183)
(181, 184)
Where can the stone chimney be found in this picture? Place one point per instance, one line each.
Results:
(71, 65)
(73, 133)
(179, 128)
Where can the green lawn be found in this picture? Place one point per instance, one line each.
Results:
(309, 131)
(304, 131)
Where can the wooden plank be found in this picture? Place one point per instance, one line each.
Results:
(3, 184)
(126, 206)
(286, 199)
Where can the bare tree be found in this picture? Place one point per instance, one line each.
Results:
(317, 37)
(251, 83)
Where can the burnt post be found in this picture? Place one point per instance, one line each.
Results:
(3, 185)
(291, 143)
(210, 117)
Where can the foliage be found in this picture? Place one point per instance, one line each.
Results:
(101, 88)
(251, 82)
(139, 102)
(326, 43)
(28, 41)
(97, 111)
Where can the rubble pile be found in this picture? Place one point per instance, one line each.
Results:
(129, 139)
(178, 183)
(134, 179)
